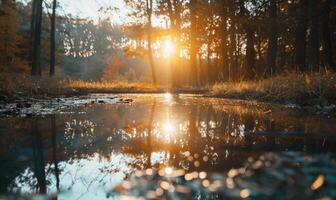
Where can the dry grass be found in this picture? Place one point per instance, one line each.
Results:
(59, 86)
(106, 86)
(290, 88)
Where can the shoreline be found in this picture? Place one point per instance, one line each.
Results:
(13, 104)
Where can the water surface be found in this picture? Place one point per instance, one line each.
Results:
(83, 153)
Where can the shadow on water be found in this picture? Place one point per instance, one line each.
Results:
(87, 152)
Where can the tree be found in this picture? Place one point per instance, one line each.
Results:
(326, 35)
(193, 43)
(177, 10)
(233, 40)
(226, 68)
(250, 51)
(272, 39)
(313, 58)
(149, 11)
(300, 36)
(142, 13)
(10, 39)
(36, 37)
(172, 9)
(53, 39)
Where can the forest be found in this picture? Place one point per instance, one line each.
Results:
(167, 99)
(197, 44)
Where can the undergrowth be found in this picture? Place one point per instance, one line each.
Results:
(57, 86)
(290, 88)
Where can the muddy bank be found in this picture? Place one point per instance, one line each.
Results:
(23, 106)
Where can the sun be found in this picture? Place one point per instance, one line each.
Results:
(168, 127)
(168, 47)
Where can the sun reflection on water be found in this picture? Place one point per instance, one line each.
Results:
(168, 97)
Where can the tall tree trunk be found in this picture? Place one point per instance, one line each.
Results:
(211, 73)
(272, 39)
(233, 43)
(326, 36)
(53, 40)
(313, 57)
(177, 14)
(149, 5)
(250, 53)
(172, 36)
(37, 29)
(193, 44)
(300, 37)
(174, 58)
(233, 59)
(226, 68)
(204, 71)
(4, 6)
(32, 28)
(240, 66)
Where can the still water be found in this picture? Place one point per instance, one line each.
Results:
(83, 153)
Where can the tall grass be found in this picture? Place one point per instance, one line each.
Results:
(112, 86)
(11, 84)
(294, 88)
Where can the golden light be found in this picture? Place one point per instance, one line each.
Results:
(168, 127)
(168, 47)
(168, 97)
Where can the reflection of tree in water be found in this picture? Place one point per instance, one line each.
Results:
(38, 177)
(39, 162)
(187, 139)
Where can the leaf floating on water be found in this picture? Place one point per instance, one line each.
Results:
(318, 182)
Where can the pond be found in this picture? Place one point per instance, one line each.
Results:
(84, 152)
